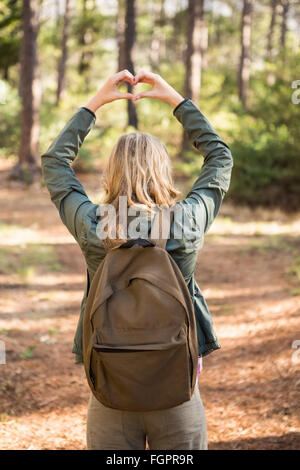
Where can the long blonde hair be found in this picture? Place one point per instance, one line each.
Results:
(139, 168)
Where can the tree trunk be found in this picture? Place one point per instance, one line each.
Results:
(82, 42)
(204, 44)
(195, 22)
(64, 53)
(274, 4)
(175, 49)
(30, 93)
(157, 38)
(271, 77)
(285, 8)
(193, 53)
(85, 40)
(121, 35)
(244, 69)
(6, 73)
(130, 37)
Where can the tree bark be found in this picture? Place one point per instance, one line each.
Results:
(30, 93)
(204, 43)
(274, 4)
(85, 41)
(83, 64)
(195, 28)
(64, 53)
(157, 38)
(82, 42)
(194, 49)
(285, 8)
(121, 35)
(245, 62)
(130, 37)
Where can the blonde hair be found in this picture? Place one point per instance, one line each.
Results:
(139, 167)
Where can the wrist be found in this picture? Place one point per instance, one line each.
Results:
(175, 99)
(94, 103)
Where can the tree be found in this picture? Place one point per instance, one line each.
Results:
(194, 49)
(195, 19)
(30, 93)
(10, 26)
(271, 77)
(177, 39)
(204, 42)
(87, 27)
(274, 5)
(64, 53)
(121, 35)
(130, 37)
(157, 36)
(244, 68)
(83, 40)
(285, 8)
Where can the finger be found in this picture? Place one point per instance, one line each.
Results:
(125, 76)
(144, 77)
(139, 76)
(124, 73)
(146, 94)
(127, 79)
(128, 96)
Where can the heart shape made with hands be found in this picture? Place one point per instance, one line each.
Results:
(141, 77)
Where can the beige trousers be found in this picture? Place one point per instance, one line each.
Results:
(180, 428)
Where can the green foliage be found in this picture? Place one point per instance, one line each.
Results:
(266, 146)
(4, 417)
(295, 269)
(264, 139)
(10, 22)
(10, 123)
(28, 353)
(53, 331)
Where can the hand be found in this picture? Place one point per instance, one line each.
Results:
(109, 91)
(161, 89)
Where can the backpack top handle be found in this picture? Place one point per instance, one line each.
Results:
(137, 241)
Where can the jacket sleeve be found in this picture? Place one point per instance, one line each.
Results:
(65, 190)
(214, 179)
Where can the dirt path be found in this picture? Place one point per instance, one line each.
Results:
(249, 272)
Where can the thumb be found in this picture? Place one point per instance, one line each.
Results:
(128, 96)
(145, 94)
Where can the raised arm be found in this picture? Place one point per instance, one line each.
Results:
(214, 179)
(215, 175)
(65, 190)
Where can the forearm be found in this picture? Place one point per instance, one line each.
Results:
(218, 161)
(59, 177)
(95, 103)
(175, 98)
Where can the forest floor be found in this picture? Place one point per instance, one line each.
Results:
(249, 272)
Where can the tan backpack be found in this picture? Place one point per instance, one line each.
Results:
(139, 331)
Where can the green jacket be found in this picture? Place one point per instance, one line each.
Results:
(79, 214)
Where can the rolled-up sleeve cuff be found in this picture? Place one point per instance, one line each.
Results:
(182, 102)
(89, 111)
